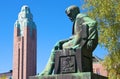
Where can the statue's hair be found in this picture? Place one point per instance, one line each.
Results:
(73, 7)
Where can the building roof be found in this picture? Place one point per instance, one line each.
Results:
(6, 73)
(25, 19)
(96, 59)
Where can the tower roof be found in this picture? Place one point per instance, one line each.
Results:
(25, 7)
(25, 19)
(25, 13)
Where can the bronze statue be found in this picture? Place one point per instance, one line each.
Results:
(79, 20)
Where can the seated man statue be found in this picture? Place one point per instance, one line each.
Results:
(79, 20)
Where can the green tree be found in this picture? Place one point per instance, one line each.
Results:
(107, 13)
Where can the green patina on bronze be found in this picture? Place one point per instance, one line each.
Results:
(86, 75)
(25, 19)
(79, 21)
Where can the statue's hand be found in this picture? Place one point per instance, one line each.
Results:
(75, 47)
(59, 44)
(90, 43)
(63, 41)
(56, 47)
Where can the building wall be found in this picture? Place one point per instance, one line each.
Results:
(6, 75)
(24, 55)
(98, 68)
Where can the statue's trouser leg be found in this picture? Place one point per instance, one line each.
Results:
(69, 44)
(51, 62)
(50, 65)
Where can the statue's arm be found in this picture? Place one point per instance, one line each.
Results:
(77, 37)
(93, 33)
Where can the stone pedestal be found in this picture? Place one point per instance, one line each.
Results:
(85, 75)
(72, 61)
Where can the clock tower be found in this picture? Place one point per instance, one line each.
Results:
(25, 45)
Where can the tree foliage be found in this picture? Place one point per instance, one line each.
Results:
(107, 13)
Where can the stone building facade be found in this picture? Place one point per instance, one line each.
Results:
(98, 68)
(6, 75)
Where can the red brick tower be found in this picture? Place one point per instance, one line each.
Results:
(25, 45)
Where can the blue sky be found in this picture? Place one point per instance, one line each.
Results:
(52, 25)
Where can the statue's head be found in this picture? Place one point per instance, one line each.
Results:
(72, 12)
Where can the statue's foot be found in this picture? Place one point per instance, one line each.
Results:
(44, 73)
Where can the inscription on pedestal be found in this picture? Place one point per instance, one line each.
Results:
(67, 64)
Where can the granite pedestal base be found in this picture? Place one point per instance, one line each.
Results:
(83, 75)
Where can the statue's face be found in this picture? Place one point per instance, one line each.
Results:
(70, 17)
(72, 12)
